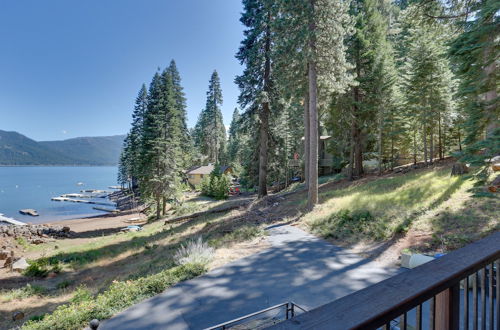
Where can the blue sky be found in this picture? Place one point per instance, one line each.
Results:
(73, 68)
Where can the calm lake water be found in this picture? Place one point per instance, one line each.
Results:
(32, 187)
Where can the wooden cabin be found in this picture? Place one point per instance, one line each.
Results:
(197, 173)
(325, 159)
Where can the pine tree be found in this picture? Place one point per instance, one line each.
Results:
(163, 137)
(256, 81)
(310, 40)
(234, 141)
(429, 88)
(130, 158)
(475, 51)
(180, 100)
(210, 133)
(372, 97)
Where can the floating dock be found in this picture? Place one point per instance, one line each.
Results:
(31, 212)
(10, 221)
(84, 195)
(72, 200)
(94, 191)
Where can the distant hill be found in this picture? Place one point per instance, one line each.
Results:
(102, 150)
(17, 149)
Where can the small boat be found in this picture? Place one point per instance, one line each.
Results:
(79, 183)
(31, 212)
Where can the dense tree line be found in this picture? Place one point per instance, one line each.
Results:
(390, 83)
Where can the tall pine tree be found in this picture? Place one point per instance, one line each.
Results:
(210, 133)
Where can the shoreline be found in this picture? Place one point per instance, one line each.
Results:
(100, 222)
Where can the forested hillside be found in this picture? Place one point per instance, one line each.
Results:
(17, 149)
(386, 83)
(102, 150)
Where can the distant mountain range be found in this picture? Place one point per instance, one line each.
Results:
(17, 149)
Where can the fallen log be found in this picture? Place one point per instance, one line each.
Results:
(215, 210)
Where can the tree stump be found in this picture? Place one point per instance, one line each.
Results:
(459, 169)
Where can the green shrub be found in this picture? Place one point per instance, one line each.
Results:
(42, 267)
(216, 185)
(81, 294)
(120, 295)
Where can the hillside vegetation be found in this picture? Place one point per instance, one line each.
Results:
(17, 149)
(425, 210)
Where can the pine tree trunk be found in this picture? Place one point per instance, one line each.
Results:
(306, 139)
(264, 122)
(164, 206)
(158, 206)
(440, 144)
(414, 146)
(392, 153)
(313, 138)
(380, 146)
(358, 153)
(351, 155)
(432, 146)
(356, 136)
(459, 140)
(490, 96)
(425, 144)
(263, 154)
(312, 199)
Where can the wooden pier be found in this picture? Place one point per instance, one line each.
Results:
(10, 221)
(73, 200)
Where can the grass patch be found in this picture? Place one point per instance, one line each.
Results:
(244, 233)
(346, 224)
(393, 203)
(120, 295)
(22, 293)
(187, 208)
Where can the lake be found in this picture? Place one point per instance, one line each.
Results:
(32, 187)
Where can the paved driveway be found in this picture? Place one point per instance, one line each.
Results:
(298, 267)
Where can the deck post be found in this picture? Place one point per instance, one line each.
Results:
(448, 309)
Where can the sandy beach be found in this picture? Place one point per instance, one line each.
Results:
(105, 223)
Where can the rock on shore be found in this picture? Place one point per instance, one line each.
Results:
(36, 234)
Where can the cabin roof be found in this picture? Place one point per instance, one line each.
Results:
(206, 169)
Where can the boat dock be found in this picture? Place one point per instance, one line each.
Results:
(72, 200)
(10, 221)
(30, 212)
(106, 209)
(92, 195)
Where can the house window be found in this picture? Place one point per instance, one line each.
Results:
(201, 175)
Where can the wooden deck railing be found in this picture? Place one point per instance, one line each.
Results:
(457, 291)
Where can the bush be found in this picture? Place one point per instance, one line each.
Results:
(194, 252)
(42, 267)
(216, 185)
(81, 294)
(116, 298)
